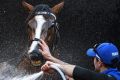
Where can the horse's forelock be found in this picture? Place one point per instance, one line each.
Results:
(43, 8)
(38, 8)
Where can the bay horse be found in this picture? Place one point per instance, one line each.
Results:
(41, 24)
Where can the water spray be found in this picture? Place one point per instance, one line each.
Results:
(40, 74)
(30, 77)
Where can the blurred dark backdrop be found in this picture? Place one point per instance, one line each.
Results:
(82, 24)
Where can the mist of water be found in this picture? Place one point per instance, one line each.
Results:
(9, 72)
(29, 77)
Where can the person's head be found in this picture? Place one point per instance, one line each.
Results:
(105, 55)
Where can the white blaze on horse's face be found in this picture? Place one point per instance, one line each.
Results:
(40, 21)
(37, 25)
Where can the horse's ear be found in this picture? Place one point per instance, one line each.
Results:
(27, 6)
(57, 8)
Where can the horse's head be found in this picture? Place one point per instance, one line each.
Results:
(41, 25)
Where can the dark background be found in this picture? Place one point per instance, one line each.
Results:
(82, 24)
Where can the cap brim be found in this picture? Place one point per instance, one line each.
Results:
(91, 53)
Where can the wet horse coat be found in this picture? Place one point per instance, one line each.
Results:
(41, 25)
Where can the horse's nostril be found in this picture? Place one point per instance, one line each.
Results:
(44, 9)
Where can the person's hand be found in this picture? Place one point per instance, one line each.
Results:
(45, 50)
(46, 66)
(47, 69)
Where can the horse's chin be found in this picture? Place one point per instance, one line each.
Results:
(36, 59)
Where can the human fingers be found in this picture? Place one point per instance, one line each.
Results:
(41, 45)
(45, 67)
(43, 42)
(41, 51)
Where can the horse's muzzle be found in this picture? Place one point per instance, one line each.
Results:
(36, 57)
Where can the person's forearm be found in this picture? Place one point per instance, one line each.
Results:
(55, 60)
(68, 69)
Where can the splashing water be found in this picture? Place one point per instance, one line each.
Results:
(29, 77)
(9, 72)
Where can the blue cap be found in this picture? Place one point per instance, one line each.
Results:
(106, 52)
